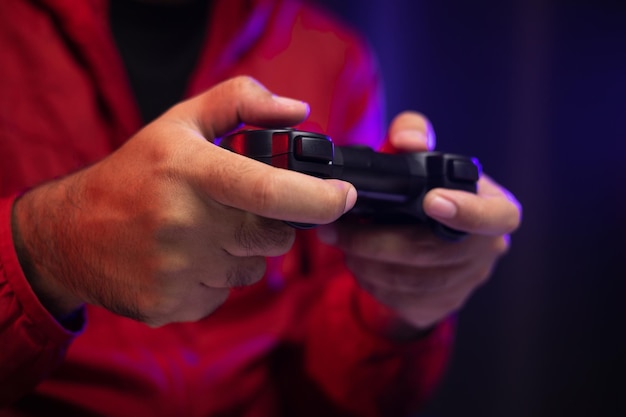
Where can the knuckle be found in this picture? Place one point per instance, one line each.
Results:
(265, 194)
(242, 84)
(263, 236)
(243, 81)
(246, 272)
(331, 205)
(277, 234)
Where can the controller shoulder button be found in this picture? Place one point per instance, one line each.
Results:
(463, 170)
(313, 148)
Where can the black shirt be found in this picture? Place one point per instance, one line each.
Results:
(160, 45)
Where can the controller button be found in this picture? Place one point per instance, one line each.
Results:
(314, 149)
(462, 170)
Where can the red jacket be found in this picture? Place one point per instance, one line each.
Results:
(290, 344)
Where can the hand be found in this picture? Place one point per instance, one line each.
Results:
(418, 276)
(162, 228)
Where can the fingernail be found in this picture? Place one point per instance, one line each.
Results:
(442, 208)
(327, 233)
(410, 140)
(350, 199)
(290, 102)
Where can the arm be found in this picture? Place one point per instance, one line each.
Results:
(32, 342)
(130, 233)
(406, 286)
(371, 348)
(358, 355)
(419, 276)
(369, 365)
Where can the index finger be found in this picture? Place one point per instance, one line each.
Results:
(244, 183)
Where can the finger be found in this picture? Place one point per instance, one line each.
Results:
(259, 236)
(244, 271)
(235, 101)
(221, 270)
(422, 300)
(241, 182)
(233, 272)
(210, 264)
(402, 280)
(217, 174)
(409, 132)
(398, 285)
(238, 181)
(412, 244)
(492, 211)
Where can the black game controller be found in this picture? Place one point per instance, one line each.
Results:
(390, 188)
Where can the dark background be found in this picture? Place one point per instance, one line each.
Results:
(537, 91)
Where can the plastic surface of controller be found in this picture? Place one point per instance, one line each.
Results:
(391, 187)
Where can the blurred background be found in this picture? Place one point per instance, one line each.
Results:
(536, 89)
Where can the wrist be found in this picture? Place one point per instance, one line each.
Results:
(33, 239)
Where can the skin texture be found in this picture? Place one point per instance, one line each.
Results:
(419, 277)
(161, 229)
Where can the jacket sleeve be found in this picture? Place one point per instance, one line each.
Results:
(32, 342)
(366, 374)
(340, 366)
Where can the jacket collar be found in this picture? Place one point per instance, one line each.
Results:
(234, 27)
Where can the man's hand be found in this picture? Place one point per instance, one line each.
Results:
(162, 228)
(418, 276)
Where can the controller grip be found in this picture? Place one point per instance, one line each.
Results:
(390, 188)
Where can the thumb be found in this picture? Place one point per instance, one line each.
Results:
(239, 100)
(409, 132)
(241, 182)
(492, 211)
(244, 183)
